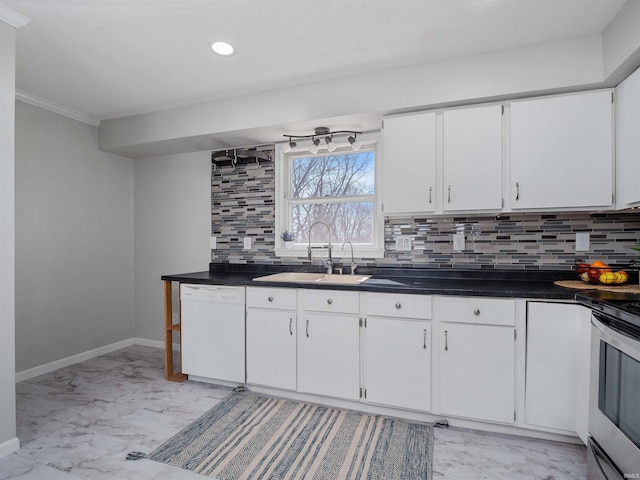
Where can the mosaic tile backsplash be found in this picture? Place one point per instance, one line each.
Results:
(243, 204)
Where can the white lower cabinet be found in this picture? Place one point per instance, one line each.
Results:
(398, 363)
(271, 348)
(329, 357)
(477, 358)
(557, 375)
(271, 337)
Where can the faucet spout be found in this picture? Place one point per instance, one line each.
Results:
(328, 261)
(353, 263)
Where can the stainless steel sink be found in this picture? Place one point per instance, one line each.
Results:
(303, 277)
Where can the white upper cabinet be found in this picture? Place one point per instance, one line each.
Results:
(628, 142)
(472, 164)
(562, 152)
(409, 164)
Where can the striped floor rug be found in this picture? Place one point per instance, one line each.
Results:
(248, 436)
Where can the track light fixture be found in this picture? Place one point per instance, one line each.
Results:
(328, 138)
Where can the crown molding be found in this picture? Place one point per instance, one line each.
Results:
(13, 18)
(55, 108)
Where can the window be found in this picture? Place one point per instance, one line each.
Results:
(338, 188)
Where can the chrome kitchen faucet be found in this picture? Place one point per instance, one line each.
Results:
(328, 262)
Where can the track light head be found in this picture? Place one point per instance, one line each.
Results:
(287, 147)
(355, 143)
(331, 145)
(315, 146)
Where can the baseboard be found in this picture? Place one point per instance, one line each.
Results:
(65, 362)
(9, 447)
(145, 342)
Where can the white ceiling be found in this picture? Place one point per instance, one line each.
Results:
(112, 58)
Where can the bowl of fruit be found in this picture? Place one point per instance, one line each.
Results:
(599, 273)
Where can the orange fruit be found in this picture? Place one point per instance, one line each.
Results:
(601, 266)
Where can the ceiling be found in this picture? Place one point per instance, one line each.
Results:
(113, 58)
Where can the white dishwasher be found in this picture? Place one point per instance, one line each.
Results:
(213, 337)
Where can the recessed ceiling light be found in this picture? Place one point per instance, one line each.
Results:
(223, 48)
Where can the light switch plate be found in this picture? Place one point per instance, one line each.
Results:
(213, 243)
(582, 241)
(458, 242)
(247, 243)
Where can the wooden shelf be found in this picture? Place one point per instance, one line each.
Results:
(169, 329)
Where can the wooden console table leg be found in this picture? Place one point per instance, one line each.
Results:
(169, 328)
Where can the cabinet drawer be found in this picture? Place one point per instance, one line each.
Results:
(280, 298)
(399, 305)
(486, 311)
(333, 301)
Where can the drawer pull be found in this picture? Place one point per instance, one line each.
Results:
(398, 306)
(424, 339)
(329, 301)
(430, 194)
(446, 341)
(291, 326)
(270, 299)
(476, 312)
(307, 328)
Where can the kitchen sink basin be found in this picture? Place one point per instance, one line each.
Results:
(303, 277)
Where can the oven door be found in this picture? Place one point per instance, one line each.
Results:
(614, 412)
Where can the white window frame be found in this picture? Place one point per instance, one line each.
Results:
(282, 185)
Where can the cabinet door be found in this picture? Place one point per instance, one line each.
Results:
(409, 164)
(628, 141)
(271, 348)
(398, 363)
(329, 355)
(473, 159)
(477, 371)
(557, 376)
(561, 151)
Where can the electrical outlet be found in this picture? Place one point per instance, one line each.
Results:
(582, 241)
(458, 242)
(247, 243)
(213, 243)
(403, 243)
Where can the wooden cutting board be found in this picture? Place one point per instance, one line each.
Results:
(580, 285)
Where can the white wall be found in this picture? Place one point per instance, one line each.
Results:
(172, 212)
(74, 240)
(8, 440)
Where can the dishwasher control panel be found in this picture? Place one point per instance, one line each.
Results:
(211, 293)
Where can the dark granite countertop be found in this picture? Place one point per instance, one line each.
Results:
(489, 283)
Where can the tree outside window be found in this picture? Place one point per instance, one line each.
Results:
(337, 189)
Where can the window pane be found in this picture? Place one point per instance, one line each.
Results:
(333, 175)
(348, 221)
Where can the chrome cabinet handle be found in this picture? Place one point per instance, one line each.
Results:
(291, 326)
(270, 299)
(449, 194)
(398, 305)
(446, 341)
(476, 312)
(424, 339)
(517, 191)
(307, 328)
(329, 301)
(430, 188)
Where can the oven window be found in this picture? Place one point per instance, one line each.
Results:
(619, 390)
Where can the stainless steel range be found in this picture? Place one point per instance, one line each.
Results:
(614, 411)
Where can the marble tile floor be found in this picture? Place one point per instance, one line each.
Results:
(81, 421)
